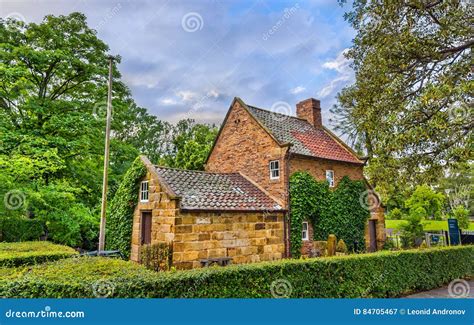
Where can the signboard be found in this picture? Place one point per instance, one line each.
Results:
(453, 228)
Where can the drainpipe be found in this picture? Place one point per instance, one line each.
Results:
(286, 222)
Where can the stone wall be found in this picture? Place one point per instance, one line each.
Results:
(163, 209)
(244, 146)
(245, 237)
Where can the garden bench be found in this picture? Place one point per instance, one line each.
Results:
(115, 253)
(221, 261)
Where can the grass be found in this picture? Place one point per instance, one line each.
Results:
(433, 225)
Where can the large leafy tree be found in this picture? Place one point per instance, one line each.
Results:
(410, 108)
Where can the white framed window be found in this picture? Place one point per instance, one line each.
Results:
(330, 177)
(305, 231)
(274, 169)
(144, 191)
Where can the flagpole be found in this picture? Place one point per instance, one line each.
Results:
(103, 209)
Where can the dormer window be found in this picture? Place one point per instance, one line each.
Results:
(144, 191)
(330, 177)
(274, 169)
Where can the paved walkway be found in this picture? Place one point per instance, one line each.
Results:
(459, 289)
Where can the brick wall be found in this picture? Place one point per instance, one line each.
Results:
(245, 237)
(244, 146)
(317, 168)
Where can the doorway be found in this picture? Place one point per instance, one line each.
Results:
(146, 228)
(373, 235)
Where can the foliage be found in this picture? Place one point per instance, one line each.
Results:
(307, 198)
(410, 106)
(457, 183)
(331, 248)
(22, 229)
(425, 203)
(336, 212)
(462, 214)
(191, 145)
(381, 274)
(395, 214)
(34, 252)
(412, 232)
(341, 246)
(122, 206)
(156, 257)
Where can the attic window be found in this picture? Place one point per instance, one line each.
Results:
(330, 177)
(274, 169)
(144, 191)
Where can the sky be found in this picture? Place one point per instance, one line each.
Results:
(189, 59)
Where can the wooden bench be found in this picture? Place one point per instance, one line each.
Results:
(221, 261)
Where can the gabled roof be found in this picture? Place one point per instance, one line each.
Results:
(215, 191)
(305, 139)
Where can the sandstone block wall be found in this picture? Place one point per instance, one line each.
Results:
(245, 237)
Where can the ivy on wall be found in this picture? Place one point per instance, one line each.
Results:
(337, 212)
(120, 220)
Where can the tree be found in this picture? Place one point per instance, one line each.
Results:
(462, 214)
(425, 203)
(191, 145)
(410, 107)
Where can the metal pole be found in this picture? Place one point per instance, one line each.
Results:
(106, 162)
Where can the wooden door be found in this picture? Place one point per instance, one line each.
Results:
(373, 235)
(146, 228)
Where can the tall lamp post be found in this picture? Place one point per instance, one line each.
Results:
(106, 162)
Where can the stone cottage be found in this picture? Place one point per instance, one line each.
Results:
(238, 208)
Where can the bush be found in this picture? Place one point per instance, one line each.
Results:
(17, 228)
(35, 252)
(341, 247)
(382, 274)
(156, 257)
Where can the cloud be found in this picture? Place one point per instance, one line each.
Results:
(171, 71)
(344, 75)
(297, 90)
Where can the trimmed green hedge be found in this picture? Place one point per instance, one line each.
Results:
(34, 252)
(383, 274)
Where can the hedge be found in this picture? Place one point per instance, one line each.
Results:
(382, 274)
(34, 252)
(15, 229)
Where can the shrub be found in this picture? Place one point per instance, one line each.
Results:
(35, 252)
(381, 274)
(341, 246)
(18, 228)
(156, 257)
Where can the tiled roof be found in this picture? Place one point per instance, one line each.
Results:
(305, 139)
(216, 191)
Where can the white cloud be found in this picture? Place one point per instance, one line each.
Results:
(345, 74)
(187, 95)
(297, 90)
(168, 101)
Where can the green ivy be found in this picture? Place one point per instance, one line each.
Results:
(337, 212)
(120, 220)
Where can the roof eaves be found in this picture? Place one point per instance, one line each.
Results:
(152, 169)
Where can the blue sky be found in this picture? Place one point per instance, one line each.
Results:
(188, 59)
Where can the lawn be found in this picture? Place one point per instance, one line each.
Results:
(434, 225)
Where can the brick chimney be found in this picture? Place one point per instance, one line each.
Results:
(310, 110)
